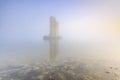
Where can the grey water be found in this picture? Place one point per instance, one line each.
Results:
(100, 59)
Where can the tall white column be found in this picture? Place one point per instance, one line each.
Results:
(53, 27)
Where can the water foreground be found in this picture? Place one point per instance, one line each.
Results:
(67, 69)
(63, 62)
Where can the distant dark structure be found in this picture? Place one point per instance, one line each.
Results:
(54, 33)
(53, 38)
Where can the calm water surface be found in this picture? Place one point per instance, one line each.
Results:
(60, 60)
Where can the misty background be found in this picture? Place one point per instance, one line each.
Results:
(27, 21)
(90, 31)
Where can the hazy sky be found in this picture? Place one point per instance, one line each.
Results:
(28, 20)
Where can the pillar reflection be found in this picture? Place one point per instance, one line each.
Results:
(54, 46)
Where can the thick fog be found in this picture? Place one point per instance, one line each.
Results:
(28, 20)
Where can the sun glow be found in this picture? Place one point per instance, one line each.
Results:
(89, 29)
